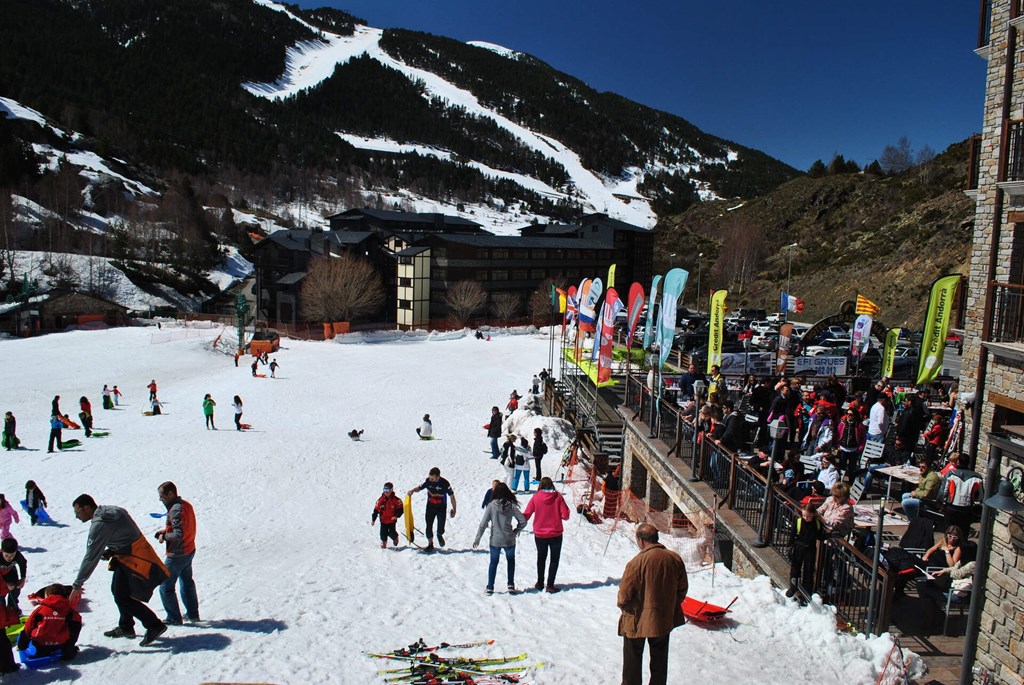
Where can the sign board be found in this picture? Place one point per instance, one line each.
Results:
(758, 363)
(822, 365)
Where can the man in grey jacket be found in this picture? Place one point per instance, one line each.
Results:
(137, 569)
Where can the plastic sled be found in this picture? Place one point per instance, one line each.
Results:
(157, 514)
(41, 515)
(260, 375)
(100, 434)
(429, 437)
(68, 444)
(696, 610)
(32, 662)
(245, 426)
(68, 423)
(14, 631)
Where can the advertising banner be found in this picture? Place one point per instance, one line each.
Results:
(648, 329)
(716, 328)
(936, 326)
(611, 276)
(735, 363)
(861, 335)
(822, 365)
(785, 341)
(588, 305)
(612, 306)
(675, 281)
(889, 351)
(636, 305)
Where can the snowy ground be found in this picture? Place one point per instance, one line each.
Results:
(292, 581)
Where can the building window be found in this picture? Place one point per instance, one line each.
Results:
(558, 254)
(539, 254)
(538, 274)
(519, 275)
(404, 304)
(482, 276)
(573, 254)
(499, 275)
(520, 254)
(405, 282)
(440, 274)
(501, 253)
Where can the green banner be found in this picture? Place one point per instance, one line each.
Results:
(936, 325)
(889, 351)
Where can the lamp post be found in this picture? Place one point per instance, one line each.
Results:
(789, 277)
(698, 397)
(700, 259)
(1002, 501)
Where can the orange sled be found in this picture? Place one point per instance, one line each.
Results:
(696, 610)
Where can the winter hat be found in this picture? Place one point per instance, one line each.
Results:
(389, 486)
(9, 545)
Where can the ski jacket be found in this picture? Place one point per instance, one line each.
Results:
(508, 453)
(522, 458)
(35, 498)
(114, 529)
(852, 435)
(388, 507)
(7, 513)
(14, 570)
(961, 488)
(152, 388)
(238, 407)
(10, 426)
(208, 406)
(427, 429)
(651, 593)
(494, 427)
(550, 508)
(50, 623)
(540, 448)
(807, 533)
(56, 423)
(928, 486)
(499, 515)
(180, 530)
(85, 406)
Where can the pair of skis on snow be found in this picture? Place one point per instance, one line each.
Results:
(426, 667)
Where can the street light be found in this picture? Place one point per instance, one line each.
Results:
(789, 277)
(700, 259)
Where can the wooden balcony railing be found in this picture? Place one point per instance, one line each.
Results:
(1007, 313)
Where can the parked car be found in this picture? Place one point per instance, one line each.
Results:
(828, 346)
(955, 341)
(700, 355)
(762, 326)
(775, 318)
(837, 331)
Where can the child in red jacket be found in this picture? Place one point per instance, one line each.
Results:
(53, 626)
(388, 508)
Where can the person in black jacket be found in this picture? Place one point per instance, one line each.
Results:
(807, 530)
(10, 440)
(13, 566)
(729, 433)
(494, 431)
(540, 448)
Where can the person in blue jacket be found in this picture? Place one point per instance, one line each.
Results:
(56, 425)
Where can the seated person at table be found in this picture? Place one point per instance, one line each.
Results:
(815, 496)
(837, 512)
(952, 464)
(926, 491)
(829, 474)
(792, 470)
(955, 581)
(54, 625)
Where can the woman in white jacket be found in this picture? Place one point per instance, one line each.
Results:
(500, 512)
(238, 413)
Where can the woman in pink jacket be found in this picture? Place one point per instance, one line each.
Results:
(7, 513)
(551, 510)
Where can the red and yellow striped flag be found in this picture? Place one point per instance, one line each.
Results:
(866, 306)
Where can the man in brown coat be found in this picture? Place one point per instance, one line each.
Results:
(651, 595)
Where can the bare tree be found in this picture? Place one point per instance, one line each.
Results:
(464, 299)
(340, 289)
(6, 239)
(540, 300)
(741, 255)
(897, 158)
(505, 306)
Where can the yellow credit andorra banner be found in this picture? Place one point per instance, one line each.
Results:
(716, 328)
(936, 325)
(889, 351)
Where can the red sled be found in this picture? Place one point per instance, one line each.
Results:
(696, 610)
(245, 426)
(68, 423)
(259, 375)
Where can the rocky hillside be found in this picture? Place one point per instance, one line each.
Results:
(885, 237)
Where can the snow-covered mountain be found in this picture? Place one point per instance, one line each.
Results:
(253, 109)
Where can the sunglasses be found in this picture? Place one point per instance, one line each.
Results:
(388, 489)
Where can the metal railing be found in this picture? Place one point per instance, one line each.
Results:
(844, 580)
(1014, 151)
(748, 495)
(782, 513)
(974, 163)
(1007, 313)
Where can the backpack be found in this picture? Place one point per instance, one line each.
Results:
(520, 459)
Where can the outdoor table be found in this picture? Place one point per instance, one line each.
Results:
(866, 516)
(910, 474)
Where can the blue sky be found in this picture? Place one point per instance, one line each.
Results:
(798, 79)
